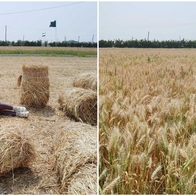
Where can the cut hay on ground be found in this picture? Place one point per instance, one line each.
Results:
(86, 81)
(76, 159)
(81, 104)
(34, 90)
(15, 150)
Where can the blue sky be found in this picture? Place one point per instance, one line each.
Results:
(133, 20)
(76, 20)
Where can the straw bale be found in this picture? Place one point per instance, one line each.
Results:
(34, 90)
(84, 182)
(15, 150)
(81, 104)
(86, 81)
(76, 152)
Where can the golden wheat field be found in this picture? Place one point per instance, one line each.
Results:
(43, 127)
(147, 121)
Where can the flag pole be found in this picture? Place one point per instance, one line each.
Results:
(55, 34)
(53, 24)
(6, 33)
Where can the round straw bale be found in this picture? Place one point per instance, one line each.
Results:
(76, 150)
(84, 182)
(86, 81)
(34, 90)
(81, 104)
(15, 150)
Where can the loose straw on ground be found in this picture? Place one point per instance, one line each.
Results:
(34, 88)
(81, 104)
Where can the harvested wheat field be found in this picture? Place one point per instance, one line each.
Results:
(147, 121)
(37, 174)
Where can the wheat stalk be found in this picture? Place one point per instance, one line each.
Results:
(111, 185)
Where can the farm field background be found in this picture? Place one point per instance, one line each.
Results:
(42, 125)
(147, 121)
(51, 51)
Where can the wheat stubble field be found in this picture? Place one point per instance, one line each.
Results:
(147, 121)
(42, 125)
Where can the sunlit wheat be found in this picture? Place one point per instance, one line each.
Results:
(147, 121)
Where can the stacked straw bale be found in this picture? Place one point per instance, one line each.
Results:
(76, 159)
(15, 150)
(86, 81)
(34, 88)
(81, 104)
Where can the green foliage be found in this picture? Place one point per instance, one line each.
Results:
(52, 44)
(50, 51)
(143, 43)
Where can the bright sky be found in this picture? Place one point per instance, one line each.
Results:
(75, 20)
(133, 20)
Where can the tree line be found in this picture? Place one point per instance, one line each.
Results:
(52, 44)
(143, 43)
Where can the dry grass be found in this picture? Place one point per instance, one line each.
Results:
(80, 104)
(34, 88)
(76, 159)
(147, 121)
(86, 81)
(42, 125)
